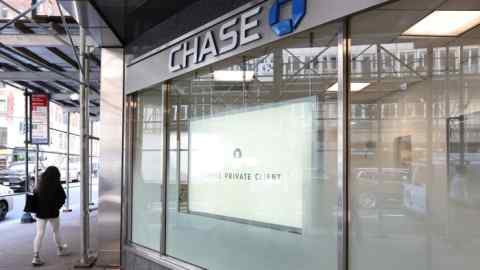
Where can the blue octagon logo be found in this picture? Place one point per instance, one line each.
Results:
(287, 26)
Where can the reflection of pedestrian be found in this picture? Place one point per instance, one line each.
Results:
(50, 197)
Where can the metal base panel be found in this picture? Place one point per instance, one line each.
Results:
(89, 262)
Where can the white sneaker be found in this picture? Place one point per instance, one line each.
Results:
(62, 250)
(37, 261)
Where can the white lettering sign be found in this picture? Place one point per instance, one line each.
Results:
(190, 52)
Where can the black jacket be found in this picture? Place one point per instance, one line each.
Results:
(48, 205)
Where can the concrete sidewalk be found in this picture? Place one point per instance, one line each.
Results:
(16, 244)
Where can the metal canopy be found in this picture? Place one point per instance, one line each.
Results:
(36, 53)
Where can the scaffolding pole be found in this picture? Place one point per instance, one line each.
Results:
(67, 204)
(27, 217)
(90, 160)
(87, 258)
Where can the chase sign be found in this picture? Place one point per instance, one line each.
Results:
(286, 26)
(251, 26)
(239, 31)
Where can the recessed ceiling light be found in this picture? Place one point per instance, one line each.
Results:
(233, 75)
(354, 87)
(445, 23)
(75, 97)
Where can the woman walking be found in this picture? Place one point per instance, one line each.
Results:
(50, 197)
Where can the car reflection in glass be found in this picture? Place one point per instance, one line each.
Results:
(380, 187)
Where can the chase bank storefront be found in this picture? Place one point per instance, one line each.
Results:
(308, 134)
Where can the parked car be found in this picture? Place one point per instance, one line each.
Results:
(6, 201)
(74, 171)
(14, 176)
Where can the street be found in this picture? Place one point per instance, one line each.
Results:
(17, 238)
(14, 215)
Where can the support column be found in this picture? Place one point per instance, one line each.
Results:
(87, 259)
(343, 116)
(37, 164)
(67, 203)
(111, 171)
(27, 217)
(90, 164)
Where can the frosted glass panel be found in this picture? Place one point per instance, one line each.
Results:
(148, 171)
(254, 184)
(414, 145)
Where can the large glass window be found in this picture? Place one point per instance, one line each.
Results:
(415, 175)
(146, 212)
(254, 144)
(253, 159)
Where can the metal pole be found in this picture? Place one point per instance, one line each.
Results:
(27, 140)
(343, 115)
(34, 11)
(67, 203)
(27, 217)
(37, 155)
(90, 178)
(462, 110)
(86, 259)
(67, 29)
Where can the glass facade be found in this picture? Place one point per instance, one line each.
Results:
(147, 175)
(414, 176)
(264, 148)
(255, 166)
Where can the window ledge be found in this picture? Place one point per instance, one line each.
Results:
(165, 261)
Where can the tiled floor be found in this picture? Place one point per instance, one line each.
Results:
(16, 244)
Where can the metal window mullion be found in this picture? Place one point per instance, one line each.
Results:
(165, 102)
(342, 144)
(83, 162)
(131, 114)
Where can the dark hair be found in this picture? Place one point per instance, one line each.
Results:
(49, 181)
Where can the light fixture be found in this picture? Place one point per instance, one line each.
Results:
(445, 23)
(233, 75)
(354, 87)
(74, 97)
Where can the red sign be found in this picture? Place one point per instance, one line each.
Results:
(39, 128)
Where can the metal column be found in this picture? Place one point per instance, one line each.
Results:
(90, 160)
(343, 115)
(67, 203)
(112, 160)
(37, 164)
(27, 217)
(87, 259)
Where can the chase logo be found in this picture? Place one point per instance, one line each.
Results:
(287, 26)
(237, 153)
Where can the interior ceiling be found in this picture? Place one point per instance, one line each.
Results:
(386, 24)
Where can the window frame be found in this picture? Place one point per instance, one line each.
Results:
(341, 66)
